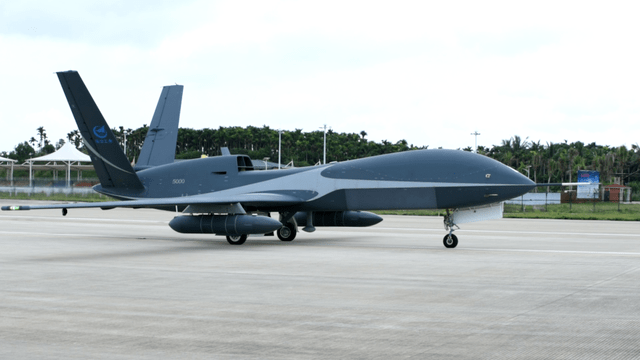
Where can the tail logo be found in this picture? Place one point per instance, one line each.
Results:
(100, 132)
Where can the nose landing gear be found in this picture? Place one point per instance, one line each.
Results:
(450, 241)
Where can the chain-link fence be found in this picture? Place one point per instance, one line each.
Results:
(612, 198)
(48, 186)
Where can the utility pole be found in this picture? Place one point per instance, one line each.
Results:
(476, 133)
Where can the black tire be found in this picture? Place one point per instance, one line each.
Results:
(287, 232)
(236, 239)
(450, 241)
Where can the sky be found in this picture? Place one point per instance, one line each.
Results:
(429, 72)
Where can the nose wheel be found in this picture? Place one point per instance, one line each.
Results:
(450, 241)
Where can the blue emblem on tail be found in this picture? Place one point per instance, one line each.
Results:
(100, 132)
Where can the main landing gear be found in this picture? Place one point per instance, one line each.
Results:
(289, 228)
(287, 232)
(236, 239)
(450, 240)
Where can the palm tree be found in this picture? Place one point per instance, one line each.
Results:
(572, 154)
(623, 155)
(552, 167)
(43, 136)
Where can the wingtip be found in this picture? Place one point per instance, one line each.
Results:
(14, 208)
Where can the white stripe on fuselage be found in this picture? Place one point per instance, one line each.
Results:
(312, 180)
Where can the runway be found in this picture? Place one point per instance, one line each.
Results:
(120, 284)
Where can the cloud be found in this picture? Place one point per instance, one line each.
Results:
(425, 71)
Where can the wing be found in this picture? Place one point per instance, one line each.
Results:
(199, 202)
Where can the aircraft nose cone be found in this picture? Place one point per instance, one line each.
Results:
(504, 174)
(510, 183)
(484, 181)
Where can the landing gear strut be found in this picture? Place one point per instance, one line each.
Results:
(289, 227)
(450, 240)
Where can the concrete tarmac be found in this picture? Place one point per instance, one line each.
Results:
(120, 284)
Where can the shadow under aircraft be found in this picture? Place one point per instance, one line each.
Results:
(225, 195)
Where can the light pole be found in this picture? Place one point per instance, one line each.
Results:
(124, 132)
(279, 148)
(476, 133)
(325, 143)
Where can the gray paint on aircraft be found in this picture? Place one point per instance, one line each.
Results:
(159, 146)
(117, 172)
(420, 179)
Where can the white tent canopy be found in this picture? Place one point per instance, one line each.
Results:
(67, 152)
(67, 155)
(2, 159)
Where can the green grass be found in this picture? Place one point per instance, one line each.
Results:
(586, 211)
(576, 216)
(95, 197)
(412, 212)
(603, 211)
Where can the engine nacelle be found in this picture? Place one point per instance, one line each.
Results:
(339, 218)
(224, 224)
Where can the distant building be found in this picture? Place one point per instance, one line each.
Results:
(617, 193)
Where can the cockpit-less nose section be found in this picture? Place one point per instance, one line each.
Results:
(224, 195)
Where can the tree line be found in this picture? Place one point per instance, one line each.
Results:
(560, 162)
(549, 162)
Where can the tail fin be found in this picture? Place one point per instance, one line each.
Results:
(159, 146)
(109, 161)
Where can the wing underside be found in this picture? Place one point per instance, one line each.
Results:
(199, 201)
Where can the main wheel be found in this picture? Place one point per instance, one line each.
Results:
(236, 239)
(450, 241)
(287, 232)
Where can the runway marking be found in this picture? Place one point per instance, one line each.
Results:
(165, 222)
(56, 234)
(459, 249)
(515, 232)
(561, 251)
(70, 219)
(334, 244)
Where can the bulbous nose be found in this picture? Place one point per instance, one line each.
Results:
(507, 175)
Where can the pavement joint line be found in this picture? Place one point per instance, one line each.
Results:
(586, 288)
